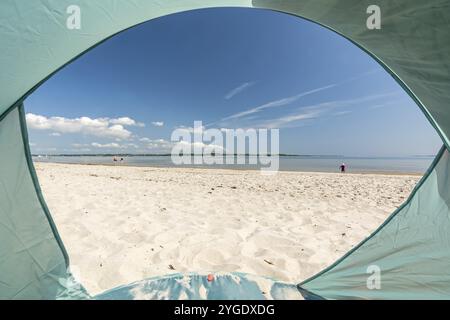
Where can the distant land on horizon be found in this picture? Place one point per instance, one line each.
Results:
(235, 154)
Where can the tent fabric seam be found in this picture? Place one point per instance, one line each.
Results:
(37, 188)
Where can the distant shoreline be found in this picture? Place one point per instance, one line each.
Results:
(212, 167)
(331, 156)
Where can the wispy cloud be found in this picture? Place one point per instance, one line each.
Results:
(275, 103)
(303, 113)
(239, 89)
(383, 104)
(158, 123)
(287, 100)
(319, 110)
(99, 127)
(342, 113)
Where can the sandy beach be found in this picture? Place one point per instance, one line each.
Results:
(121, 223)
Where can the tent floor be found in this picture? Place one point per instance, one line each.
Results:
(219, 286)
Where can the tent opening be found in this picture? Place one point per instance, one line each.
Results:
(100, 134)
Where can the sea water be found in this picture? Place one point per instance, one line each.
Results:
(314, 163)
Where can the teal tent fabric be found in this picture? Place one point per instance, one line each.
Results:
(33, 262)
(412, 45)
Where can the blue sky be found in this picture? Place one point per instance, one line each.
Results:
(230, 68)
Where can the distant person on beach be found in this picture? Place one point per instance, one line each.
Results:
(114, 159)
(342, 168)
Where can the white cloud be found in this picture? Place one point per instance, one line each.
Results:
(55, 134)
(158, 123)
(239, 89)
(132, 145)
(78, 150)
(99, 127)
(144, 145)
(112, 145)
(189, 130)
(79, 145)
(157, 143)
(126, 121)
(49, 149)
(200, 145)
(106, 145)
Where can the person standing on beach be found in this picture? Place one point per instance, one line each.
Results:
(342, 168)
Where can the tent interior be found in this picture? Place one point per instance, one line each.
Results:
(409, 249)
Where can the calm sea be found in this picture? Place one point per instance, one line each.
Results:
(418, 164)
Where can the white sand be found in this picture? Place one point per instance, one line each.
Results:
(122, 224)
